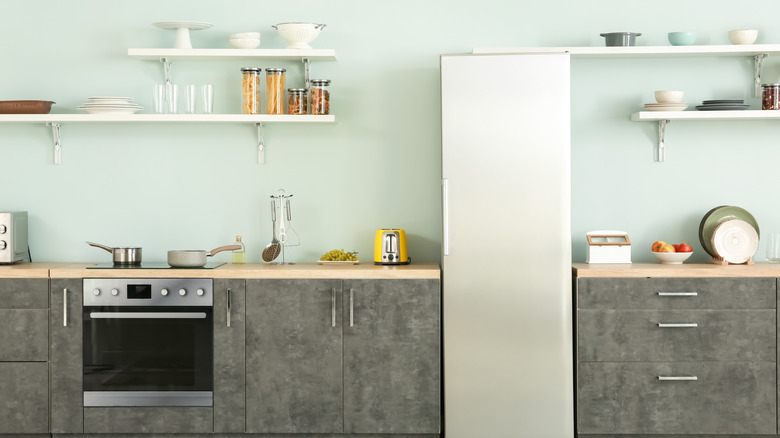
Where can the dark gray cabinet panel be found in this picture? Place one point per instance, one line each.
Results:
(726, 398)
(667, 335)
(24, 397)
(148, 420)
(24, 293)
(24, 335)
(65, 346)
(229, 356)
(294, 362)
(392, 356)
(643, 293)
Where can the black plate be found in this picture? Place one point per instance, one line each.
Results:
(722, 107)
(723, 102)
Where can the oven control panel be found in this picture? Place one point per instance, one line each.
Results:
(148, 292)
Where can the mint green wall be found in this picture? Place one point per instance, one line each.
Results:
(186, 186)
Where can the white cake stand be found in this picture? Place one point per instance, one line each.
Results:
(182, 29)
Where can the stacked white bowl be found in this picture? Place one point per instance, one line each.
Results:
(245, 40)
(667, 100)
(743, 36)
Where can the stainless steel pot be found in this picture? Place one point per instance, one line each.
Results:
(195, 258)
(121, 255)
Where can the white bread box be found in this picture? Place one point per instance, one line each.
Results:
(608, 246)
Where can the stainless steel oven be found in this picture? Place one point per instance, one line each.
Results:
(148, 342)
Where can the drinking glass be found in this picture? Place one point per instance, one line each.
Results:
(189, 99)
(207, 92)
(773, 248)
(171, 97)
(159, 98)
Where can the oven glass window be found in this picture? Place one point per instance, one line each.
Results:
(161, 351)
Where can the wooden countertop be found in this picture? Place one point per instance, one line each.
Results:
(228, 270)
(758, 269)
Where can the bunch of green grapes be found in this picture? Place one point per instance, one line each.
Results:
(338, 255)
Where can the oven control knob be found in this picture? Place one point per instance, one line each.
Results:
(3, 229)
(182, 292)
(3, 245)
(164, 292)
(114, 292)
(95, 292)
(200, 292)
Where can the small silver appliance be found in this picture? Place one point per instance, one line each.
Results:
(13, 237)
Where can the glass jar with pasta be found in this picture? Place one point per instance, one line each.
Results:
(250, 90)
(274, 87)
(320, 96)
(296, 101)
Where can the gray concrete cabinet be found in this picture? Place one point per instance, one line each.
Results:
(351, 356)
(24, 356)
(66, 358)
(229, 355)
(676, 356)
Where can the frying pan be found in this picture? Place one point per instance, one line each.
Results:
(195, 258)
(122, 255)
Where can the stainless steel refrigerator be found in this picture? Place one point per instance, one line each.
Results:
(507, 304)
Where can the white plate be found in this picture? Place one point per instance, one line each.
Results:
(338, 262)
(109, 105)
(110, 100)
(735, 241)
(648, 105)
(666, 108)
(115, 110)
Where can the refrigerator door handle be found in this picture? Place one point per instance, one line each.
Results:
(445, 227)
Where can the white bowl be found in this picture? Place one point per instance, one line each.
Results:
(299, 35)
(244, 43)
(743, 36)
(672, 258)
(669, 96)
(252, 35)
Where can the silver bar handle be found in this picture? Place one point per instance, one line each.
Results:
(678, 294)
(147, 315)
(333, 307)
(677, 324)
(677, 378)
(229, 305)
(65, 307)
(351, 308)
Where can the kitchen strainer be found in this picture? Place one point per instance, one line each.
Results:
(299, 35)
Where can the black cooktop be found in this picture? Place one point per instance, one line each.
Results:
(151, 265)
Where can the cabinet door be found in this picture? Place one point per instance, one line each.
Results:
(229, 355)
(24, 320)
(24, 397)
(293, 356)
(66, 359)
(392, 356)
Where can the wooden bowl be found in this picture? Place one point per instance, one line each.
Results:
(25, 106)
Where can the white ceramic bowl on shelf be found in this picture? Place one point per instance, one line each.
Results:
(743, 36)
(299, 35)
(669, 96)
(244, 43)
(672, 258)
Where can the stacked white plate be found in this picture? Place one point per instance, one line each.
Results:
(110, 105)
(735, 241)
(666, 106)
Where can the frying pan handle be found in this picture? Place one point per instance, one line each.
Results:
(97, 245)
(223, 248)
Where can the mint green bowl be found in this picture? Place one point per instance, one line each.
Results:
(682, 38)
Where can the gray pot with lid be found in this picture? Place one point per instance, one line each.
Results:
(620, 39)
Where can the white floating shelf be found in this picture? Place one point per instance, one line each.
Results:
(167, 118)
(641, 51)
(654, 116)
(226, 54)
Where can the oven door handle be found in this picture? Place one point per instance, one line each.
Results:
(147, 315)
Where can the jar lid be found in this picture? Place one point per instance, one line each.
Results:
(770, 85)
(251, 69)
(275, 70)
(320, 81)
(296, 90)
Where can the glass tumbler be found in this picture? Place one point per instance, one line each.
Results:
(773, 248)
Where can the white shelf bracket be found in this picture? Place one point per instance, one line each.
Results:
(166, 69)
(661, 138)
(306, 74)
(758, 63)
(55, 133)
(260, 144)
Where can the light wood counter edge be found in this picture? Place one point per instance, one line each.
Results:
(759, 269)
(256, 271)
(29, 270)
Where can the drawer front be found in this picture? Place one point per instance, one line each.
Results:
(24, 335)
(24, 397)
(676, 335)
(676, 293)
(179, 420)
(24, 293)
(725, 398)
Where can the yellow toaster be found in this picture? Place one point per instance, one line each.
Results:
(390, 247)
